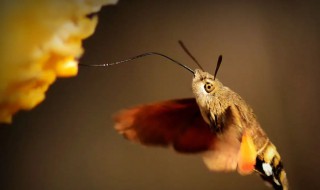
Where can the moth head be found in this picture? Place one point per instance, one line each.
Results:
(204, 84)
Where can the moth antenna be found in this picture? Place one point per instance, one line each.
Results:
(190, 55)
(137, 57)
(217, 67)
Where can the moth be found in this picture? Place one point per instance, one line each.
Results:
(217, 123)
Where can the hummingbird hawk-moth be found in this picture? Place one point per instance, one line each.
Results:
(217, 122)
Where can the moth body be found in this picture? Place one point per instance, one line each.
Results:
(234, 122)
(217, 123)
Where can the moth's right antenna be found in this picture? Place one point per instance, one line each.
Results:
(190, 55)
(217, 67)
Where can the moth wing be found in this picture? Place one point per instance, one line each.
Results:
(176, 123)
(247, 155)
(234, 149)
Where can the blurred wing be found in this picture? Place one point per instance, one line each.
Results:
(175, 122)
(179, 123)
(234, 149)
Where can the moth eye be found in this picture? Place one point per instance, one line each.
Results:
(208, 87)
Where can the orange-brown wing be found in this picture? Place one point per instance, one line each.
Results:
(179, 123)
(175, 122)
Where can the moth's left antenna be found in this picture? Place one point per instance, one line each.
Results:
(137, 57)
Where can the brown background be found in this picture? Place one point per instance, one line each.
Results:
(271, 58)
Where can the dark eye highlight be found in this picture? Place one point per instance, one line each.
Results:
(208, 87)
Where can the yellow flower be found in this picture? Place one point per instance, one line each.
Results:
(40, 41)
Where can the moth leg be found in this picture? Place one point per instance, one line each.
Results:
(216, 123)
(212, 123)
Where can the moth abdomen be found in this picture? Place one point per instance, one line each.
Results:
(270, 167)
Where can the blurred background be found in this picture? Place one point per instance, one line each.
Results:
(271, 58)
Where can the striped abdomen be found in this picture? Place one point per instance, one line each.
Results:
(270, 167)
